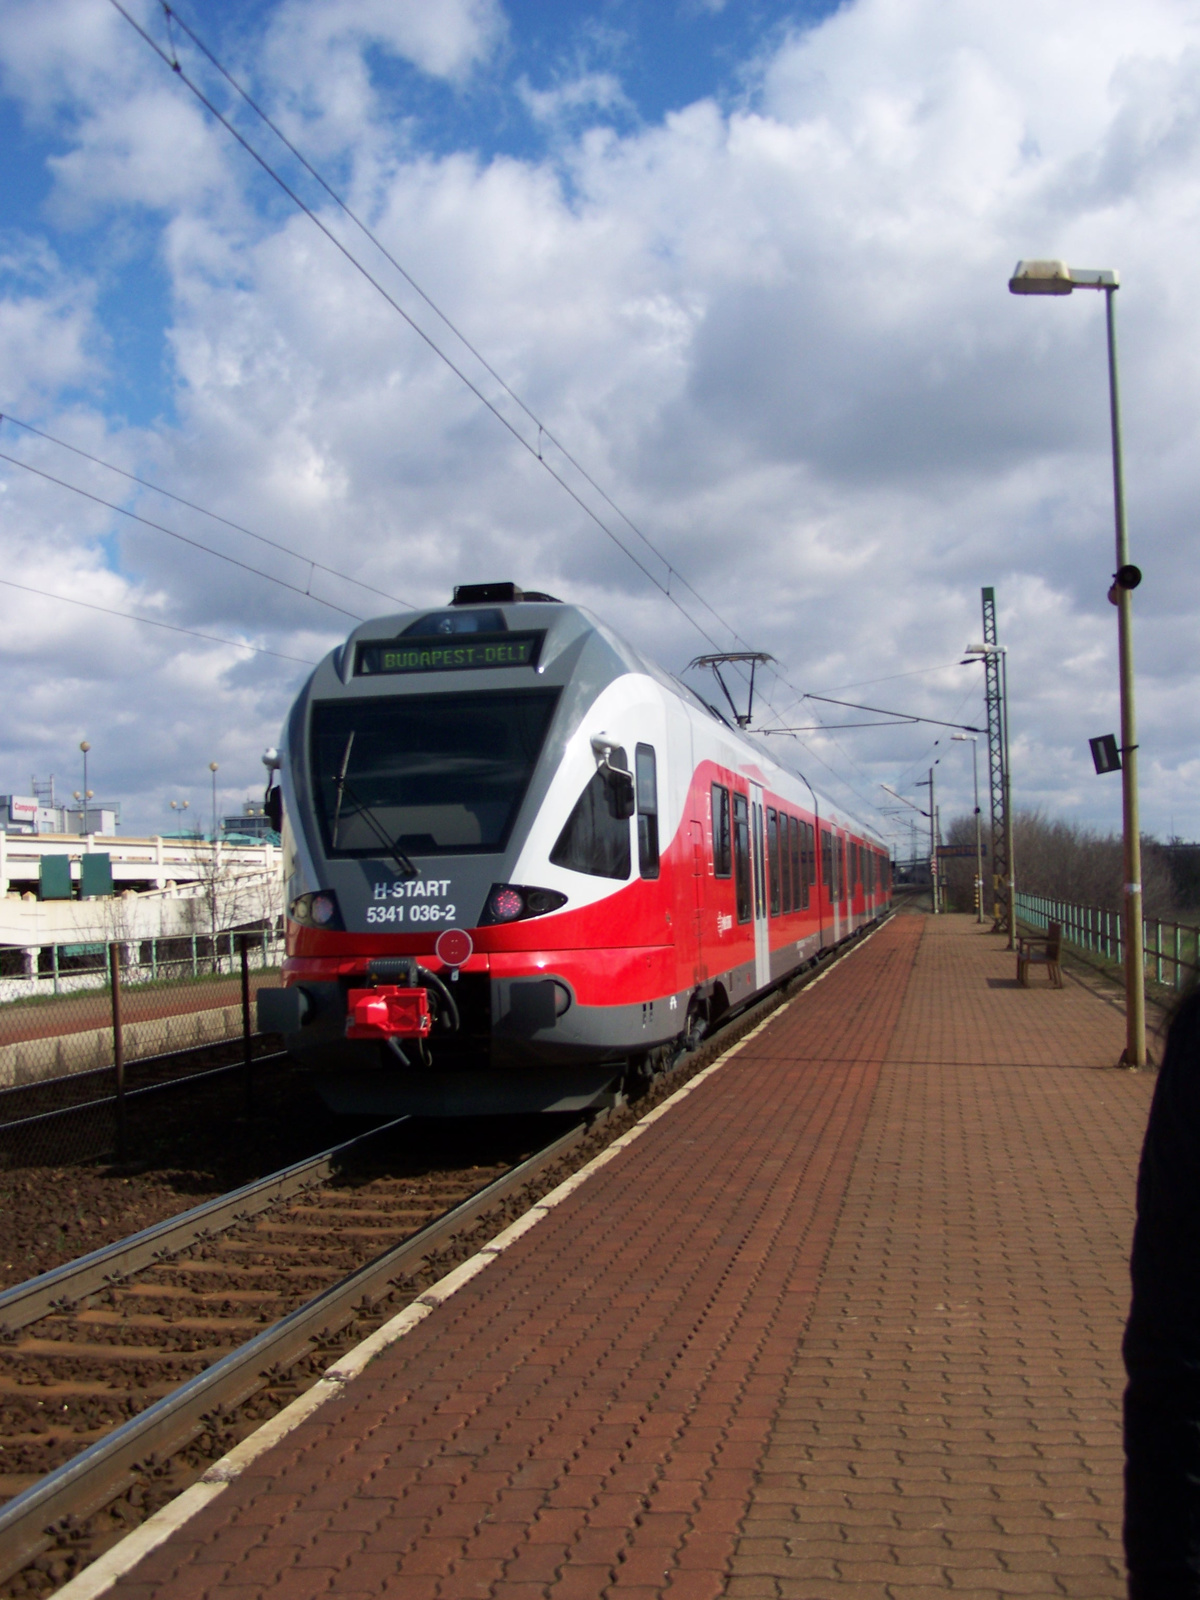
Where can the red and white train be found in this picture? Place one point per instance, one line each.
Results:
(523, 861)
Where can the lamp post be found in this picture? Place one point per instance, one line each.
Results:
(927, 783)
(1055, 277)
(85, 794)
(969, 738)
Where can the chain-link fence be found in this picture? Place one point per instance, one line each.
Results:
(107, 1025)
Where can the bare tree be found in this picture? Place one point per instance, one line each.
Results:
(1067, 861)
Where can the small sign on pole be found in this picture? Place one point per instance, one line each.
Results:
(1106, 757)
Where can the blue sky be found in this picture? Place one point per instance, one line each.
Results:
(747, 260)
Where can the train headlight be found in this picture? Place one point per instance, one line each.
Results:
(512, 902)
(318, 910)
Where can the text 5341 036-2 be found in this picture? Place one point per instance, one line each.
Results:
(418, 911)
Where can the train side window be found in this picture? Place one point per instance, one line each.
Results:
(722, 847)
(799, 898)
(808, 855)
(791, 861)
(773, 860)
(827, 862)
(787, 897)
(646, 773)
(741, 856)
(841, 869)
(594, 840)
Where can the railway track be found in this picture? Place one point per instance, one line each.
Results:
(124, 1374)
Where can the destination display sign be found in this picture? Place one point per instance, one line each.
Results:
(478, 652)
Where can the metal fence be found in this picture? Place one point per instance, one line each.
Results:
(1172, 948)
(132, 1022)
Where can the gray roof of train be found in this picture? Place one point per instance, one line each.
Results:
(564, 625)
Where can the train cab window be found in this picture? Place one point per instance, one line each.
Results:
(722, 844)
(741, 856)
(595, 839)
(773, 856)
(429, 774)
(646, 780)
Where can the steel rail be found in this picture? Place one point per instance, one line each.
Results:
(183, 1082)
(100, 1473)
(50, 1291)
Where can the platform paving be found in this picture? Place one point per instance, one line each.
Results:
(844, 1322)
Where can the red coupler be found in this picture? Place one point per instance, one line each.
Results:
(388, 1013)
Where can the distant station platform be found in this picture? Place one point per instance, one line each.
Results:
(841, 1319)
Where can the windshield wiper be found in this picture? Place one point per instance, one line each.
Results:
(339, 784)
(391, 847)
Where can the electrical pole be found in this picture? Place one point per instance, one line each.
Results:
(933, 869)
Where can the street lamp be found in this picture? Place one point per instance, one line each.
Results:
(969, 738)
(980, 652)
(1055, 277)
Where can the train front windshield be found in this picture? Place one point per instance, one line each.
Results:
(440, 774)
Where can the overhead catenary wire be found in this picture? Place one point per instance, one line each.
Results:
(544, 431)
(157, 488)
(155, 622)
(534, 447)
(173, 533)
(297, 200)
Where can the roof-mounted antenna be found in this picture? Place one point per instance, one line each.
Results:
(716, 662)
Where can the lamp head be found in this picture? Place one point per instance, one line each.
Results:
(1040, 277)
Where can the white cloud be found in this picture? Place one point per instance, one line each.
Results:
(48, 336)
(590, 91)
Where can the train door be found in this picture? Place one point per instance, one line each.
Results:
(762, 943)
(700, 968)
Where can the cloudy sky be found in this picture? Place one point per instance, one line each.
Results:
(744, 260)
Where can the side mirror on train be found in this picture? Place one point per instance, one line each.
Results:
(611, 764)
(273, 807)
(620, 795)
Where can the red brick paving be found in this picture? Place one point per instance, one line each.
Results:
(844, 1322)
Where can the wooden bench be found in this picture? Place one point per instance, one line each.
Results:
(1041, 952)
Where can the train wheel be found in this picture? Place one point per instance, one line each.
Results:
(697, 1025)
